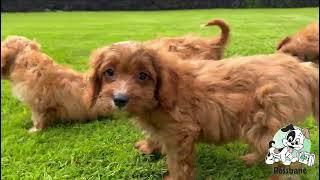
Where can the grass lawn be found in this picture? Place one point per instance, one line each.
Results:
(104, 149)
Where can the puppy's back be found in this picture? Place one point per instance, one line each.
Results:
(247, 73)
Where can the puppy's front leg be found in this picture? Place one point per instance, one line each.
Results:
(148, 146)
(40, 121)
(180, 158)
(283, 154)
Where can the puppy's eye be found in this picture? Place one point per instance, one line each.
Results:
(109, 72)
(143, 76)
(297, 141)
(290, 139)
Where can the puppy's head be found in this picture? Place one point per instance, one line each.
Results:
(295, 137)
(287, 46)
(302, 50)
(11, 47)
(133, 77)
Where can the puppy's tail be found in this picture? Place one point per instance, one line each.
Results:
(225, 31)
(313, 73)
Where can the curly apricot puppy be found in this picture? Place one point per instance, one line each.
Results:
(304, 44)
(180, 103)
(191, 47)
(52, 92)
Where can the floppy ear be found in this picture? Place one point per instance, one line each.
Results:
(283, 42)
(11, 47)
(7, 58)
(95, 78)
(306, 133)
(271, 143)
(287, 128)
(6, 55)
(166, 86)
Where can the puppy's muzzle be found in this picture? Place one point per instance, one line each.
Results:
(120, 100)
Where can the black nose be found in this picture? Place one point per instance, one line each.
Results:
(120, 100)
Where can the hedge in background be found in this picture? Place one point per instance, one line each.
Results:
(96, 5)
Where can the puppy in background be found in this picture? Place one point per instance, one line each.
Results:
(192, 47)
(304, 44)
(179, 103)
(51, 91)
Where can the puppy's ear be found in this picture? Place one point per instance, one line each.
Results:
(283, 42)
(306, 133)
(167, 90)
(167, 79)
(287, 128)
(10, 48)
(7, 58)
(271, 143)
(95, 78)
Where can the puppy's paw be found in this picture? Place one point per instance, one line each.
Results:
(294, 159)
(144, 147)
(250, 159)
(34, 130)
(166, 176)
(286, 163)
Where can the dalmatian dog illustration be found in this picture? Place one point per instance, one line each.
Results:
(293, 141)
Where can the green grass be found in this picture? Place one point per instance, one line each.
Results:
(104, 149)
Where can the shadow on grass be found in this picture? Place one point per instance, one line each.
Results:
(223, 162)
(27, 123)
(150, 157)
(220, 162)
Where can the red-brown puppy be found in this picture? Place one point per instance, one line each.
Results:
(51, 91)
(179, 103)
(188, 48)
(304, 44)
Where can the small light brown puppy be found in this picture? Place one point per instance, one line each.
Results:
(304, 44)
(52, 92)
(191, 47)
(180, 103)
